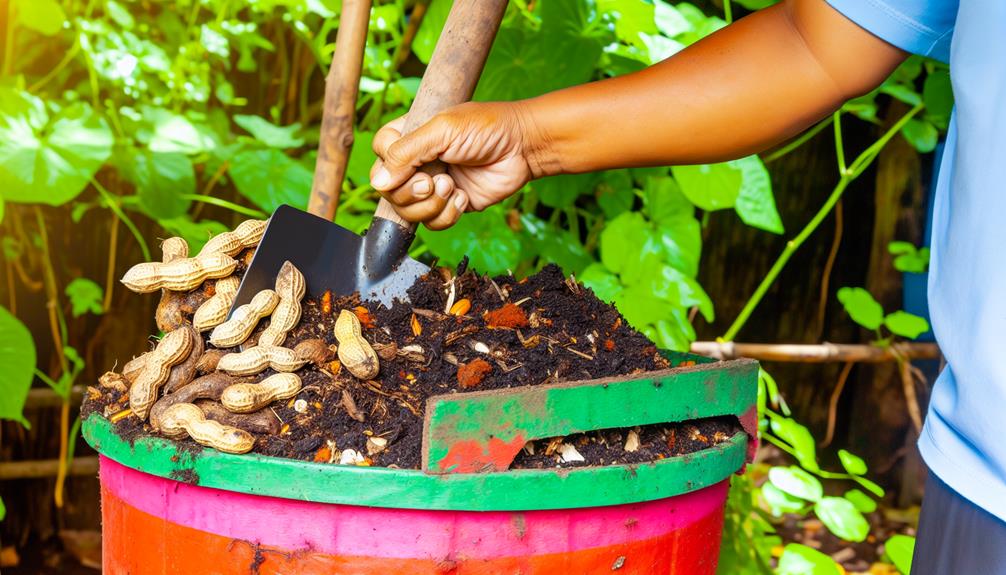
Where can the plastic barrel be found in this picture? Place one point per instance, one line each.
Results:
(167, 511)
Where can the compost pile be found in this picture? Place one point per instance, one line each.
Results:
(340, 380)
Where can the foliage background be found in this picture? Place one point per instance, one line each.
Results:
(122, 122)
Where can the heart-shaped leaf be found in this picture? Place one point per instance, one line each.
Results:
(48, 160)
(17, 364)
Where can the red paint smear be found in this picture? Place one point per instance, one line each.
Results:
(471, 456)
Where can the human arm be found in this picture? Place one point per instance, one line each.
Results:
(746, 87)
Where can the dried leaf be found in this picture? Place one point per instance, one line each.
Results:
(461, 307)
(417, 328)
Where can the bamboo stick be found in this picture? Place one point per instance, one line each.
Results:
(342, 84)
(40, 468)
(819, 353)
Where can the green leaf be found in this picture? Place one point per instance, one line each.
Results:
(561, 191)
(119, 14)
(906, 324)
(170, 132)
(862, 501)
(799, 559)
(270, 134)
(852, 463)
(194, 233)
(842, 518)
(17, 364)
(85, 296)
(710, 186)
(429, 31)
(484, 237)
(796, 482)
(43, 16)
(605, 284)
(268, 178)
(669, 20)
(870, 486)
(3, 510)
(779, 501)
(755, 204)
(861, 307)
(48, 160)
(799, 438)
(161, 179)
(361, 158)
(554, 245)
(899, 549)
(921, 134)
(614, 193)
(626, 234)
(1, 209)
(901, 92)
(938, 96)
(909, 259)
(632, 18)
(663, 201)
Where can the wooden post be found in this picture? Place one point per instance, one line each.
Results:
(342, 85)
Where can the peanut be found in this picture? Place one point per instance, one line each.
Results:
(112, 380)
(314, 350)
(244, 319)
(187, 419)
(354, 351)
(264, 421)
(134, 366)
(206, 387)
(256, 359)
(183, 373)
(214, 311)
(249, 397)
(209, 360)
(182, 274)
(170, 351)
(169, 315)
(246, 235)
(290, 286)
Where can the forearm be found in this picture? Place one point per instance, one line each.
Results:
(741, 90)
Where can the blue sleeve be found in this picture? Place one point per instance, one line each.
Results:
(918, 26)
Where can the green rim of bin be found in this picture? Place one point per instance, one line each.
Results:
(519, 490)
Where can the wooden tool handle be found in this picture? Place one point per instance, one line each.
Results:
(342, 85)
(453, 72)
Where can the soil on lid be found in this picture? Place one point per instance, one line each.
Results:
(543, 329)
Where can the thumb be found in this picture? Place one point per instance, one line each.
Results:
(403, 157)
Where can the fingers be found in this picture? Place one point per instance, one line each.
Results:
(451, 212)
(416, 189)
(439, 210)
(402, 155)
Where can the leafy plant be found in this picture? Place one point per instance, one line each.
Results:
(865, 311)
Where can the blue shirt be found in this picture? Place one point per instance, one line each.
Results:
(963, 441)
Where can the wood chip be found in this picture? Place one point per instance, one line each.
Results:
(569, 454)
(349, 404)
(632, 442)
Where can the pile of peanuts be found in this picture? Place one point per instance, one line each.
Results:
(213, 394)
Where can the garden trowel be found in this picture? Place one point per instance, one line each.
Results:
(377, 265)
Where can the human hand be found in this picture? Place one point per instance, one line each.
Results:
(488, 150)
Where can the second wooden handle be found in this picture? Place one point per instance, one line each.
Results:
(454, 71)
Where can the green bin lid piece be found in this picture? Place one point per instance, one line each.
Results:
(482, 431)
(519, 490)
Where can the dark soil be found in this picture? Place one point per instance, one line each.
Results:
(543, 329)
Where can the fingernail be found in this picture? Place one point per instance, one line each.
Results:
(421, 189)
(381, 178)
(460, 201)
(441, 187)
